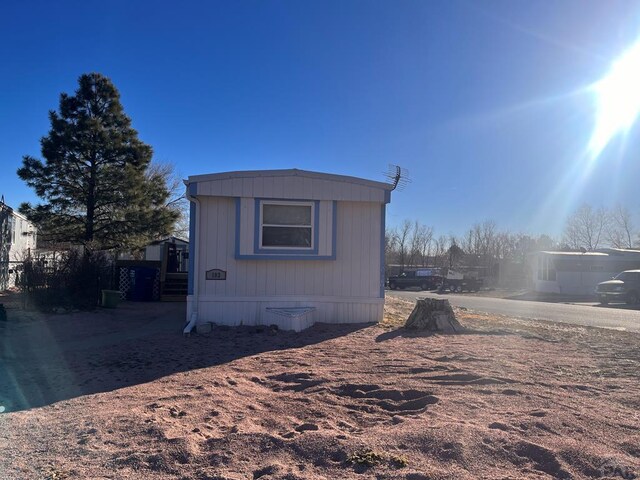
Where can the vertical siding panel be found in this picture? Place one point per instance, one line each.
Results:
(367, 258)
(212, 245)
(236, 187)
(317, 280)
(201, 242)
(226, 187)
(316, 189)
(281, 274)
(279, 187)
(261, 277)
(308, 280)
(240, 281)
(372, 239)
(290, 276)
(370, 258)
(344, 191)
(289, 188)
(328, 222)
(307, 187)
(247, 225)
(228, 208)
(225, 236)
(344, 262)
(209, 245)
(247, 187)
(271, 277)
(375, 247)
(215, 187)
(348, 267)
(298, 188)
(269, 187)
(302, 270)
(374, 252)
(322, 225)
(250, 278)
(258, 187)
(359, 250)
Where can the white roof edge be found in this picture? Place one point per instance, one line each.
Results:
(293, 172)
(19, 215)
(553, 252)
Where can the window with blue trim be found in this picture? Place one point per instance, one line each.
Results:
(286, 224)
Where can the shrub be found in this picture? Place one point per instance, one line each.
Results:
(71, 281)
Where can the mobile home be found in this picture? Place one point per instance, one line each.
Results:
(578, 273)
(285, 247)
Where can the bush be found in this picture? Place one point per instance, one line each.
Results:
(72, 281)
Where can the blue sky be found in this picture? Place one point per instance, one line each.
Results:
(485, 103)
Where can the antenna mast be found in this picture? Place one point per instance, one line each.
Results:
(397, 176)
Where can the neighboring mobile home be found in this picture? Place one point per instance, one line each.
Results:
(18, 237)
(285, 247)
(578, 273)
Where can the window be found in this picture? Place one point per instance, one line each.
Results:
(286, 225)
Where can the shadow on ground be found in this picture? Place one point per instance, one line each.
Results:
(47, 359)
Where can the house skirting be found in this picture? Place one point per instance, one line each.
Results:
(235, 311)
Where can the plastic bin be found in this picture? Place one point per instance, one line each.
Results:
(110, 298)
(142, 282)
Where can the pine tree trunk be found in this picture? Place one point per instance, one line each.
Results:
(433, 315)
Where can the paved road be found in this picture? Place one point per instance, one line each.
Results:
(589, 314)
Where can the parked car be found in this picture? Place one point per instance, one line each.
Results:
(425, 279)
(624, 287)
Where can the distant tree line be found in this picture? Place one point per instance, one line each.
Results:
(414, 244)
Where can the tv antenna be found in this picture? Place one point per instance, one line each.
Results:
(397, 176)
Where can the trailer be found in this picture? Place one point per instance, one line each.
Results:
(458, 282)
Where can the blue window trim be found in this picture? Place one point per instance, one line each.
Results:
(283, 254)
(193, 191)
(257, 249)
(382, 232)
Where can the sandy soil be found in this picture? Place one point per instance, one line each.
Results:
(122, 395)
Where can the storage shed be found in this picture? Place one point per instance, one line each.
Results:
(285, 247)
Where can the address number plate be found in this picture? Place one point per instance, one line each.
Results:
(216, 274)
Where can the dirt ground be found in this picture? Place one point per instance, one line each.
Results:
(121, 394)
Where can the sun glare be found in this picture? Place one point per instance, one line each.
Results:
(618, 99)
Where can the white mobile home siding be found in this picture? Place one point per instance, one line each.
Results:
(343, 281)
(574, 273)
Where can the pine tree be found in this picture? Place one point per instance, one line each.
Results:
(95, 181)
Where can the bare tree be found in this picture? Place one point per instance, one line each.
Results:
(419, 243)
(403, 242)
(586, 228)
(177, 200)
(441, 246)
(620, 232)
(390, 246)
(424, 244)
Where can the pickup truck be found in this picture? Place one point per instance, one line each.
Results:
(422, 279)
(431, 279)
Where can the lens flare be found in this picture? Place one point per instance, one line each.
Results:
(618, 100)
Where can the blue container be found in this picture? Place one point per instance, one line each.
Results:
(142, 281)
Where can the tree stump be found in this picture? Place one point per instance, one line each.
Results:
(434, 315)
